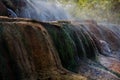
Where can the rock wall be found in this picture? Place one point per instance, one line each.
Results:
(27, 53)
(3, 11)
(56, 50)
(32, 50)
(81, 50)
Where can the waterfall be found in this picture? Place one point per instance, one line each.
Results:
(84, 46)
(42, 11)
(84, 49)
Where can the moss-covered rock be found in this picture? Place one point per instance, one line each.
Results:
(72, 43)
(27, 53)
(34, 50)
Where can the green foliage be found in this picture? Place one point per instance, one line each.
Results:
(100, 10)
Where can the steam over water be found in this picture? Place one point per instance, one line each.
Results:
(80, 44)
(43, 11)
(51, 10)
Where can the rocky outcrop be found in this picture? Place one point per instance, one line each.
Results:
(3, 11)
(10, 8)
(13, 4)
(55, 50)
(82, 51)
(60, 50)
(27, 53)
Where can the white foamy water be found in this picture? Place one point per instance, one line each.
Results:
(43, 10)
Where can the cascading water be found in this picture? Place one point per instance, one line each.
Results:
(81, 50)
(82, 46)
(86, 42)
(11, 13)
(42, 11)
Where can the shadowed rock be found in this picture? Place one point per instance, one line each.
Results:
(3, 9)
(30, 50)
(27, 53)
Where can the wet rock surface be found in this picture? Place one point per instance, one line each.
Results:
(86, 46)
(31, 50)
(56, 50)
(27, 53)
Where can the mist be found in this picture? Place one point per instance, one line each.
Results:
(43, 10)
(99, 11)
(52, 10)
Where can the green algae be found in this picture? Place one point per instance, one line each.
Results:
(72, 43)
(64, 46)
(9, 68)
(83, 41)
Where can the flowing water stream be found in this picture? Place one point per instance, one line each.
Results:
(42, 11)
(76, 41)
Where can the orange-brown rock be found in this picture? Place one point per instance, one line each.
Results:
(32, 50)
(27, 53)
(110, 63)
